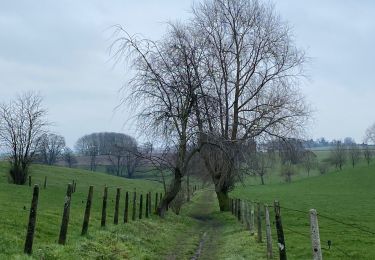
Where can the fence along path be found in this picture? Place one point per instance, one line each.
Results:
(320, 226)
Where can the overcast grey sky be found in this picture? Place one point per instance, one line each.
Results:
(60, 48)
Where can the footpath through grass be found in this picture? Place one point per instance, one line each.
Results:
(345, 202)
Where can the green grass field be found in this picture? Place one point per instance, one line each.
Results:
(346, 196)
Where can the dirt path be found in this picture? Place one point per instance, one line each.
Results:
(208, 228)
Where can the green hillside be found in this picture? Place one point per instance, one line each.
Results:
(345, 201)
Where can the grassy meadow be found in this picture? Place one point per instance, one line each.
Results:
(344, 199)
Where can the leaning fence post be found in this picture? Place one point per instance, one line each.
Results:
(140, 206)
(65, 218)
(134, 205)
(126, 209)
(32, 220)
(315, 237)
(147, 206)
(259, 223)
(104, 207)
(117, 205)
(86, 218)
(280, 232)
(268, 233)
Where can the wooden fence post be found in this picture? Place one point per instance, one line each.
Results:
(117, 205)
(252, 219)
(28, 249)
(134, 205)
(147, 206)
(45, 182)
(243, 211)
(126, 209)
(65, 218)
(86, 218)
(29, 180)
(149, 203)
(268, 233)
(140, 206)
(156, 202)
(315, 237)
(259, 223)
(280, 232)
(247, 215)
(104, 207)
(239, 209)
(73, 186)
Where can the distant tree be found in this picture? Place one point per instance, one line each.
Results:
(349, 141)
(262, 164)
(309, 161)
(287, 171)
(370, 134)
(354, 153)
(323, 167)
(22, 123)
(338, 154)
(69, 157)
(88, 145)
(51, 147)
(367, 154)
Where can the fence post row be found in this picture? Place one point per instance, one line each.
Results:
(117, 205)
(86, 218)
(268, 233)
(32, 220)
(315, 237)
(126, 209)
(65, 218)
(280, 232)
(104, 207)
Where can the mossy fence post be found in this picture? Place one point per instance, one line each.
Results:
(259, 223)
(147, 206)
(280, 232)
(104, 207)
(156, 202)
(86, 218)
(140, 206)
(117, 205)
(268, 232)
(28, 249)
(65, 217)
(315, 237)
(126, 209)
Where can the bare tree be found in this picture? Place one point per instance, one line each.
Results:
(164, 81)
(88, 145)
(51, 147)
(22, 123)
(354, 153)
(338, 154)
(69, 157)
(251, 91)
(370, 134)
(262, 164)
(309, 161)
(367, 154)
(287, 171)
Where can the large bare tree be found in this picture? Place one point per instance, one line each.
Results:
(251, 91)
(51, 146)
(22, 123)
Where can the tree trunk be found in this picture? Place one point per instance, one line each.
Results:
(262, 179)
(223, 199)
(171, 193)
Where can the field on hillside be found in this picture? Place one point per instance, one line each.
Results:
(15, 202)
(345, 202)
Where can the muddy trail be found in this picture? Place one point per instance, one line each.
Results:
(211, 233)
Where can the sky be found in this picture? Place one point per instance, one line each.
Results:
(61, 49)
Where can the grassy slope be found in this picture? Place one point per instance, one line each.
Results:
(347, 196)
